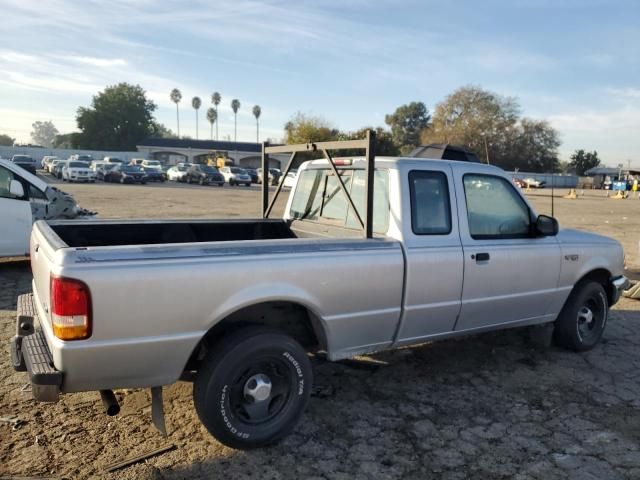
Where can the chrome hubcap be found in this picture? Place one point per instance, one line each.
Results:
(258, 388)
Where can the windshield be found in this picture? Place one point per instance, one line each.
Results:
(22, 158)
(131, 169)
(182, 169)
(238, 170)
(107, 166)
(78, 165)
(116, 160)
(84, 158)
(208, 169)
(151, 163)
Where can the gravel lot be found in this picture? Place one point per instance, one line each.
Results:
(485, 407)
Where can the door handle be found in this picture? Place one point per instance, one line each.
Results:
(481, 257)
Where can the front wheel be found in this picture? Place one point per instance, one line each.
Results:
(583, 318)
(252, 387)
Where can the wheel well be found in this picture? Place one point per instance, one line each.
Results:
(292, 318)
(601, 276)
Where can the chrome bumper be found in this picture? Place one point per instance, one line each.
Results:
(618, 285)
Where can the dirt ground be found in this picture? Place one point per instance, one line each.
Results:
(484, 407)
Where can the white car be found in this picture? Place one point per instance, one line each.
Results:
(177, 173)
(75, 171)
(52, 164)
(236, 176)
(46, 160)
(290, 179)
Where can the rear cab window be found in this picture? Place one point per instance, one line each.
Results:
(319, 198)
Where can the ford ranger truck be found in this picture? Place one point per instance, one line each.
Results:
(237, 305)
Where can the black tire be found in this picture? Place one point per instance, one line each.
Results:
(582, 321)
(143, 182)
(189, 180)
(247, 357)
(202, 181)
(122, 180)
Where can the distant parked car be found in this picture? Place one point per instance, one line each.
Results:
(126, 174)
(236, 176)
(53, 163)
(136, 161)
(46, 160)
(533, 183)
(290, 180)
(113, 160)
(204, 175)
(81, 158)
(74, 171)
(103, 169)
(253, 173)
(26, 162)
(57, 169)
(177, 173)
(153, 170)
(273, 176)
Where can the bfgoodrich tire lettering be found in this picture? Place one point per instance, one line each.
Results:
(252, 388)
(583, 318)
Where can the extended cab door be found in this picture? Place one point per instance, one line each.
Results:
(434, 262)
(510, 274)
(15, 217)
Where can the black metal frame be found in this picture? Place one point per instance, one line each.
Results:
(367, 144)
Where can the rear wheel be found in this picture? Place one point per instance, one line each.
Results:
(583, 318)
(252, 387)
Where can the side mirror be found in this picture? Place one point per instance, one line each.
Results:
(15, 189)
(546, 226)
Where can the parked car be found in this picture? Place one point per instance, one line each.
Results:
(102, 169)
(177, 173)
(26, 162)
(272, 180)
(136, 161)
(52, 164)
(153, 170)
(204, 175)
(76, 171)
(290, 179)
(113, 160)
(448, 236)
(533, 183)
(253, 173)
(46, 160)
(24, 198)
(126, 174)
(56, 169)
(80, 157)
(236, 176)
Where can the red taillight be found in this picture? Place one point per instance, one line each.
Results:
(70, 309)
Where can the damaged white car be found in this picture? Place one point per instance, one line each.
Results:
(25, 198)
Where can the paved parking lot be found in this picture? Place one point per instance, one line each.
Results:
(485, 407)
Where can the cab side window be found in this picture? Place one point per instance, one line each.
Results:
(430, 205)
(494, 208)
(5, 182)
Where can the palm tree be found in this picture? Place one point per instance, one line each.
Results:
(216, 99)
(212, 116)
(235, 106)
(175, 97)
(195, 103)
(256, 113)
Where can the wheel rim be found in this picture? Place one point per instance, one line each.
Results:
(261, 392)
(590, 319)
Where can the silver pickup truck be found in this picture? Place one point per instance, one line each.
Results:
(237, 306)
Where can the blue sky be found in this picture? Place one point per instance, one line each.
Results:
(573, 63)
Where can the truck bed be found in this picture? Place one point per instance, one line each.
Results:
(147, 232)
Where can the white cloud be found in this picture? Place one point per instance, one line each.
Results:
(99, 62)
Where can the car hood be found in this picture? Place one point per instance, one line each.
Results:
(570, 235)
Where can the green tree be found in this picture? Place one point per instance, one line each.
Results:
(212, 116)
(161, 131)
(257, 111)
(119, 118)
(216, 99)
(532, 146)
(475, 118)
(6, 140)
(407, 124)
(302, 128)
(66, 140)
(175, 97)
(44, 133)
(583, 161)
(384, 142)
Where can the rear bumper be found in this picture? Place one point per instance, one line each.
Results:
(618, 285)
(30, 353)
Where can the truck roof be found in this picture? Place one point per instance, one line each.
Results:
(34, 180)
(395, 162)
